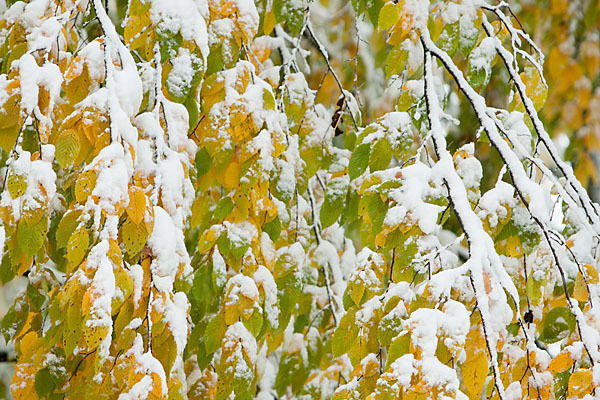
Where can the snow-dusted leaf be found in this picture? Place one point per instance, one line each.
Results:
(359, 161)
(67, 148)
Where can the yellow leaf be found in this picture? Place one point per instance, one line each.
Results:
(136, 209)
(231, 175)
(32, 213)
(401, 29)
(580, 291)
(561, 362)
(241, 127)
(207, 240)
(24, 263)
(125, 283)
(536, 90)
(388, 16)
(149, 45)
(513, 247)
(8, 137)
(78, 245)
(356, 291)
(136, 30)
(156, 385)
(23, 382)
(232, 314)
(412, 394)
(84, 185)
(133, 236)
(16, 184)
(78, 87)
(475, 368)
(29, 344)
(580, 383)
(559, 6)
(269, 22)
(10, 110)
(592, 274)
(72, 329)
(10, 121)
(93, 335)
(381, 237)
(114, 252)
(67, 147)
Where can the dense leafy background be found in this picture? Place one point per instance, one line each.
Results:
(291, 199)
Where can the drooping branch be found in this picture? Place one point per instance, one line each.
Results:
(481, 246)
(544, 137)
(523, 185)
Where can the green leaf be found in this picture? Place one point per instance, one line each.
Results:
(399, 347)
(14, 319)
(242, 382)
(192, 108)
(66, 227)
(203, 161)
(395, 61)
(333, 204)
(44, 382)
(31, 238)
(214, 61)
(35, 296)
(533, 288)
(389, 327)
(359, 161)
(289, 287)
(557, 325)
(469, 35)
(224, 208)
(254, 323)
(291, 372)
(344, 335)
(215, 331)
(373, 7)
(30, 140)
(290, 12)
(479, 67)
(476, 76)
(405, 100)
(331, 211)
(381, 155)
(561, 380)
(377, 209)
(7, 273)
(169, 47)
(273, 228)
(449, 38)
(268, 100)
(238, 248)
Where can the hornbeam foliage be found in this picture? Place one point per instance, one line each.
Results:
(218, 199)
